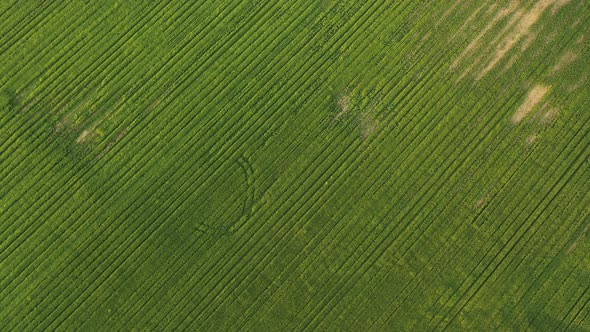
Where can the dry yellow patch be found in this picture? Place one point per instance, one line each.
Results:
(424, 38)
(88, 135)
(472, 45)
(566, 59)
(468, 21)
(583, 81)
(521, 30)
(82, 137)
(491, 48)
(344, 105)
(481, 201)
(448, 12)
(531, 139)
(530, 39)
(516, 31)
(368, 125)
(558, 5)
(580, 238)
(550, 115)
(533, 99)
(114, 141)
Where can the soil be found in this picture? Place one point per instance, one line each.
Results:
(535, 96)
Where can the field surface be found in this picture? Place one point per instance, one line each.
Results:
(295, 165)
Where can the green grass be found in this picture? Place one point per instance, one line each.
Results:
(190, 165)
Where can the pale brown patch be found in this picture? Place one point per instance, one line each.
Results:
(66, 122)
(524, 46)
(424, 38)
(580, 83)
(59, 126)
(121, 134)
(113, 141)
(580, 238)
(528, 42)
(447, 12)
(344, 104)
(155, 104)
(521, 29)
(85, 135)
(580, 40)
(557, 6)
(514, 19)
(465, 72)
(550, 38)
(533, 99)
(502, 34)
(531, 139)
(566, 59)
(481, 201)
(510, 62)
(368, 125)
(550, 115)
(472, 45)
(469, 20)
(29, 104)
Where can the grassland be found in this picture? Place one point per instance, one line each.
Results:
(294, 165)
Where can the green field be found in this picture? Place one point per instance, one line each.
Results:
(281, 165)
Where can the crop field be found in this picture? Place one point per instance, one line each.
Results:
(283, 165)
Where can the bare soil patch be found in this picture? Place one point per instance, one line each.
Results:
(344, 104)
(447, 12)
(521, 29)
(368, 125)
(558, 5)
(88, 134)
(532, 139)
(66, 123)
(580, 238)
(83, 137)
(113, 141)
(481, 201)
(518, 30)
(535, 96)
(510, 63)
(472, 45)
(566, 59)
(582, 82)
(491, 48)
(468, 21)
(550, 115)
